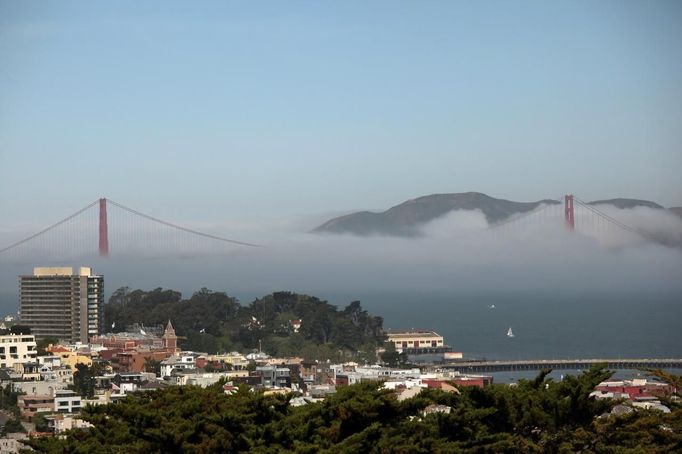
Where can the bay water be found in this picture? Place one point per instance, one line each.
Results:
(546, 325)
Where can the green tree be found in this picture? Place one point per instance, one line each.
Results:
(84, 381)
(99, 367)
(152, 365)
(213, 321)
(41, 423)
(391, 357)
(9, 398)
(536, 416)
(20, 329)
(12, 425)
(42, 344)
(367, 353)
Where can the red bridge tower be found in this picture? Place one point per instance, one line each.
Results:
(569, 213)
(103, 229)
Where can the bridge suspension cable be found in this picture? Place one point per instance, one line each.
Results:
(610, 219)
(83, 228)
(525, 215)
(47, 229)
(184, 229)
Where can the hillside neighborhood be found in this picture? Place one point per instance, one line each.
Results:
(45, 391)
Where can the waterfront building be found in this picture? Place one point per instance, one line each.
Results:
(58, 303)
(403, 340)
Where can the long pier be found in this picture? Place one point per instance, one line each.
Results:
(561, 364)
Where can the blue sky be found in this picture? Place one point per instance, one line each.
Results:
(217, 110)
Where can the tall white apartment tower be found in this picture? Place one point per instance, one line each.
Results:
(56, 302)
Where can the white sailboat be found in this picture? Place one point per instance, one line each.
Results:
(510, 333)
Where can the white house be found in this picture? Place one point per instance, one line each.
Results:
(17, 349)
(67, 401)
(177, 362)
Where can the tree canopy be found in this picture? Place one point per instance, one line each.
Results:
(536, 416)
(213, 321)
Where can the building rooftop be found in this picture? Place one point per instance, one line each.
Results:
(61, 271)
(412, 333)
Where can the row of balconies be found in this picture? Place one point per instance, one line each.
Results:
(46, 292)
(49, 299)
(64, 312)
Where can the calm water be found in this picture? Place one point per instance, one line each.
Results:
(545, 325)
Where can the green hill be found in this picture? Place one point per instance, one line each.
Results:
(406, 218)
(627, 203)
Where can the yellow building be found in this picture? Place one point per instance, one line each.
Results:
(69, 358)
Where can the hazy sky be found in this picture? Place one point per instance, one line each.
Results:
(216, 110)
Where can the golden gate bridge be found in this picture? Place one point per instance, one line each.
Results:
(105, 228)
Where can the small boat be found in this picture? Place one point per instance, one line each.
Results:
(492, 306)
(510, 333)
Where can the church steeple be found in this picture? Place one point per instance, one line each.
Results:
(169, 329)
(170, 340)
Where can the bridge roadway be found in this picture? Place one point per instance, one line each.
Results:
(560, 364)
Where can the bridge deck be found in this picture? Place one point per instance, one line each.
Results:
(562, 364)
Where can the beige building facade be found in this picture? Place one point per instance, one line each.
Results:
(415, 339)
(57, 302)
(17, 349)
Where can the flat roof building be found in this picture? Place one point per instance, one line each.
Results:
(16, 349)
(58, 303)
(414, 339)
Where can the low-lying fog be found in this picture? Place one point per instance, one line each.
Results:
(456, 253)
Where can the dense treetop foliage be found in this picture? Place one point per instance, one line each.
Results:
(536, 416)
(213, 322)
